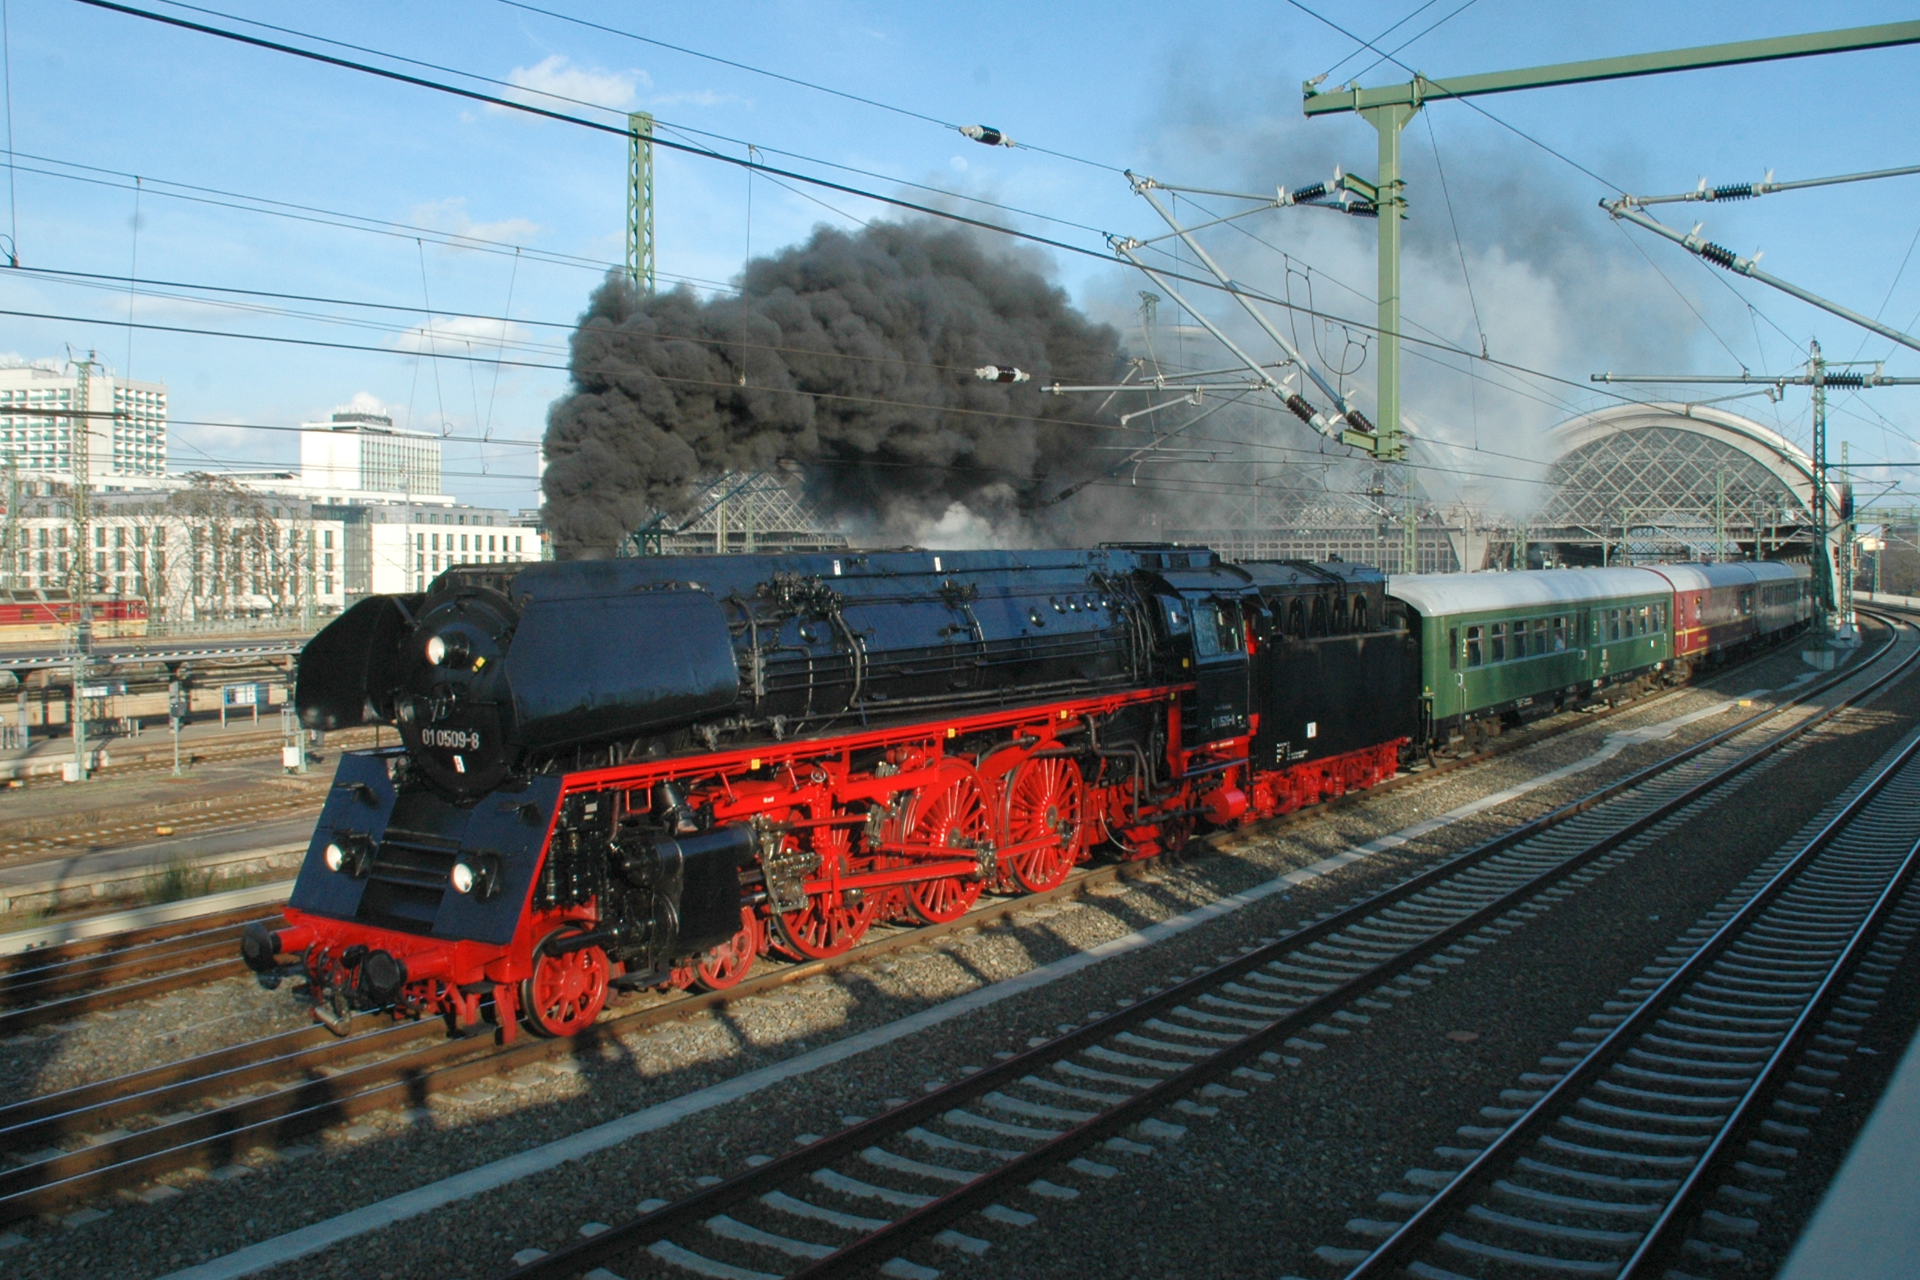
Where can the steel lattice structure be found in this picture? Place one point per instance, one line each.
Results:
(1670, 482)
(1355, 511)
(740, 512)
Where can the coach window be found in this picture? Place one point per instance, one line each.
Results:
(1613, 624)
(1473, 646)
(1497, 649)
(1539, 636)
(1559, 635)
(1453, 648)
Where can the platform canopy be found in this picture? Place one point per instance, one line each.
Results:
(1648, 482)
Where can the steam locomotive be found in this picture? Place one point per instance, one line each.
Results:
(650, 772)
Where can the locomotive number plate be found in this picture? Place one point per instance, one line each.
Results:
(451, 739)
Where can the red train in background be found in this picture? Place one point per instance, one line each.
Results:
(28, 621)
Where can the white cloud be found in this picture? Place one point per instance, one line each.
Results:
(365, 402)
(553, 80)
(463, 336)
(450, 215)
(698, 98)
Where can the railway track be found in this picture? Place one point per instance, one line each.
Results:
(904, 1191)
(244, 808)
(55, 983)
(314, 1081)
(1667, 1125)
(243, 745)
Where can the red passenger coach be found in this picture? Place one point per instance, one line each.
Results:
(1718, 608)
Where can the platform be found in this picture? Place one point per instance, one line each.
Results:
(1868, 1225)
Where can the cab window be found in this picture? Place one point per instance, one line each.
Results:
(1216, 630)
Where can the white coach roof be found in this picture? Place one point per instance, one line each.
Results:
(1739, 573)
(1444, 593)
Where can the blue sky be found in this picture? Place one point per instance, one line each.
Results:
(1203, 94)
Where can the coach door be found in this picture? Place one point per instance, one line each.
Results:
(1220, 671)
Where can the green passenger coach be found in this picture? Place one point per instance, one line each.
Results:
(1510, 645)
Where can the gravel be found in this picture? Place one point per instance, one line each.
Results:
(1309, 1149)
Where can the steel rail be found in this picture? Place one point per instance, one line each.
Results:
(24, 988)
(408, 1078)
(1420, 1230)
(448, 1064)
(173, 978)
(1660, 1239)
(935, 1212)
(43, 961)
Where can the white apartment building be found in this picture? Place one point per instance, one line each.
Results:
(362, 453)
(127, 440)
(199, 552)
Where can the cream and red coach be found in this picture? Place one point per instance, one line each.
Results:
(647, 772)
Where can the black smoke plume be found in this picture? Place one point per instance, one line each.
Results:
(849, 355)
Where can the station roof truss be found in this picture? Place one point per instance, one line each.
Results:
(740, 511)
(1653, 481)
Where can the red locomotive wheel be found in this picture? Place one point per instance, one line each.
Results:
(725, 965)
(949, 814)
(567, 991)
(833, 920)
(1045, 800)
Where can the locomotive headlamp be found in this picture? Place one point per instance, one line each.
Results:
(349, 853)
(476, 875)
(449, 649)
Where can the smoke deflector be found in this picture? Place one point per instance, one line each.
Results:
(349, 671)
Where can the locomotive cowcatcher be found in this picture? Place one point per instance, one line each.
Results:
(649, 772)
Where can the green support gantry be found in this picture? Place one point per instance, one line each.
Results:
(1389, 107)
(640, 200)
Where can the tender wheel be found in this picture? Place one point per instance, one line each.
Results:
(1045, 800)
(567, 991)
(950, 813)
(725, 965)
(833, 919)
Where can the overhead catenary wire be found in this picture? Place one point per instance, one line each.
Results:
(696, 150)
(1419, 35)
(1468, 102)
(620, 112)
(981, 224)
(793, 80)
